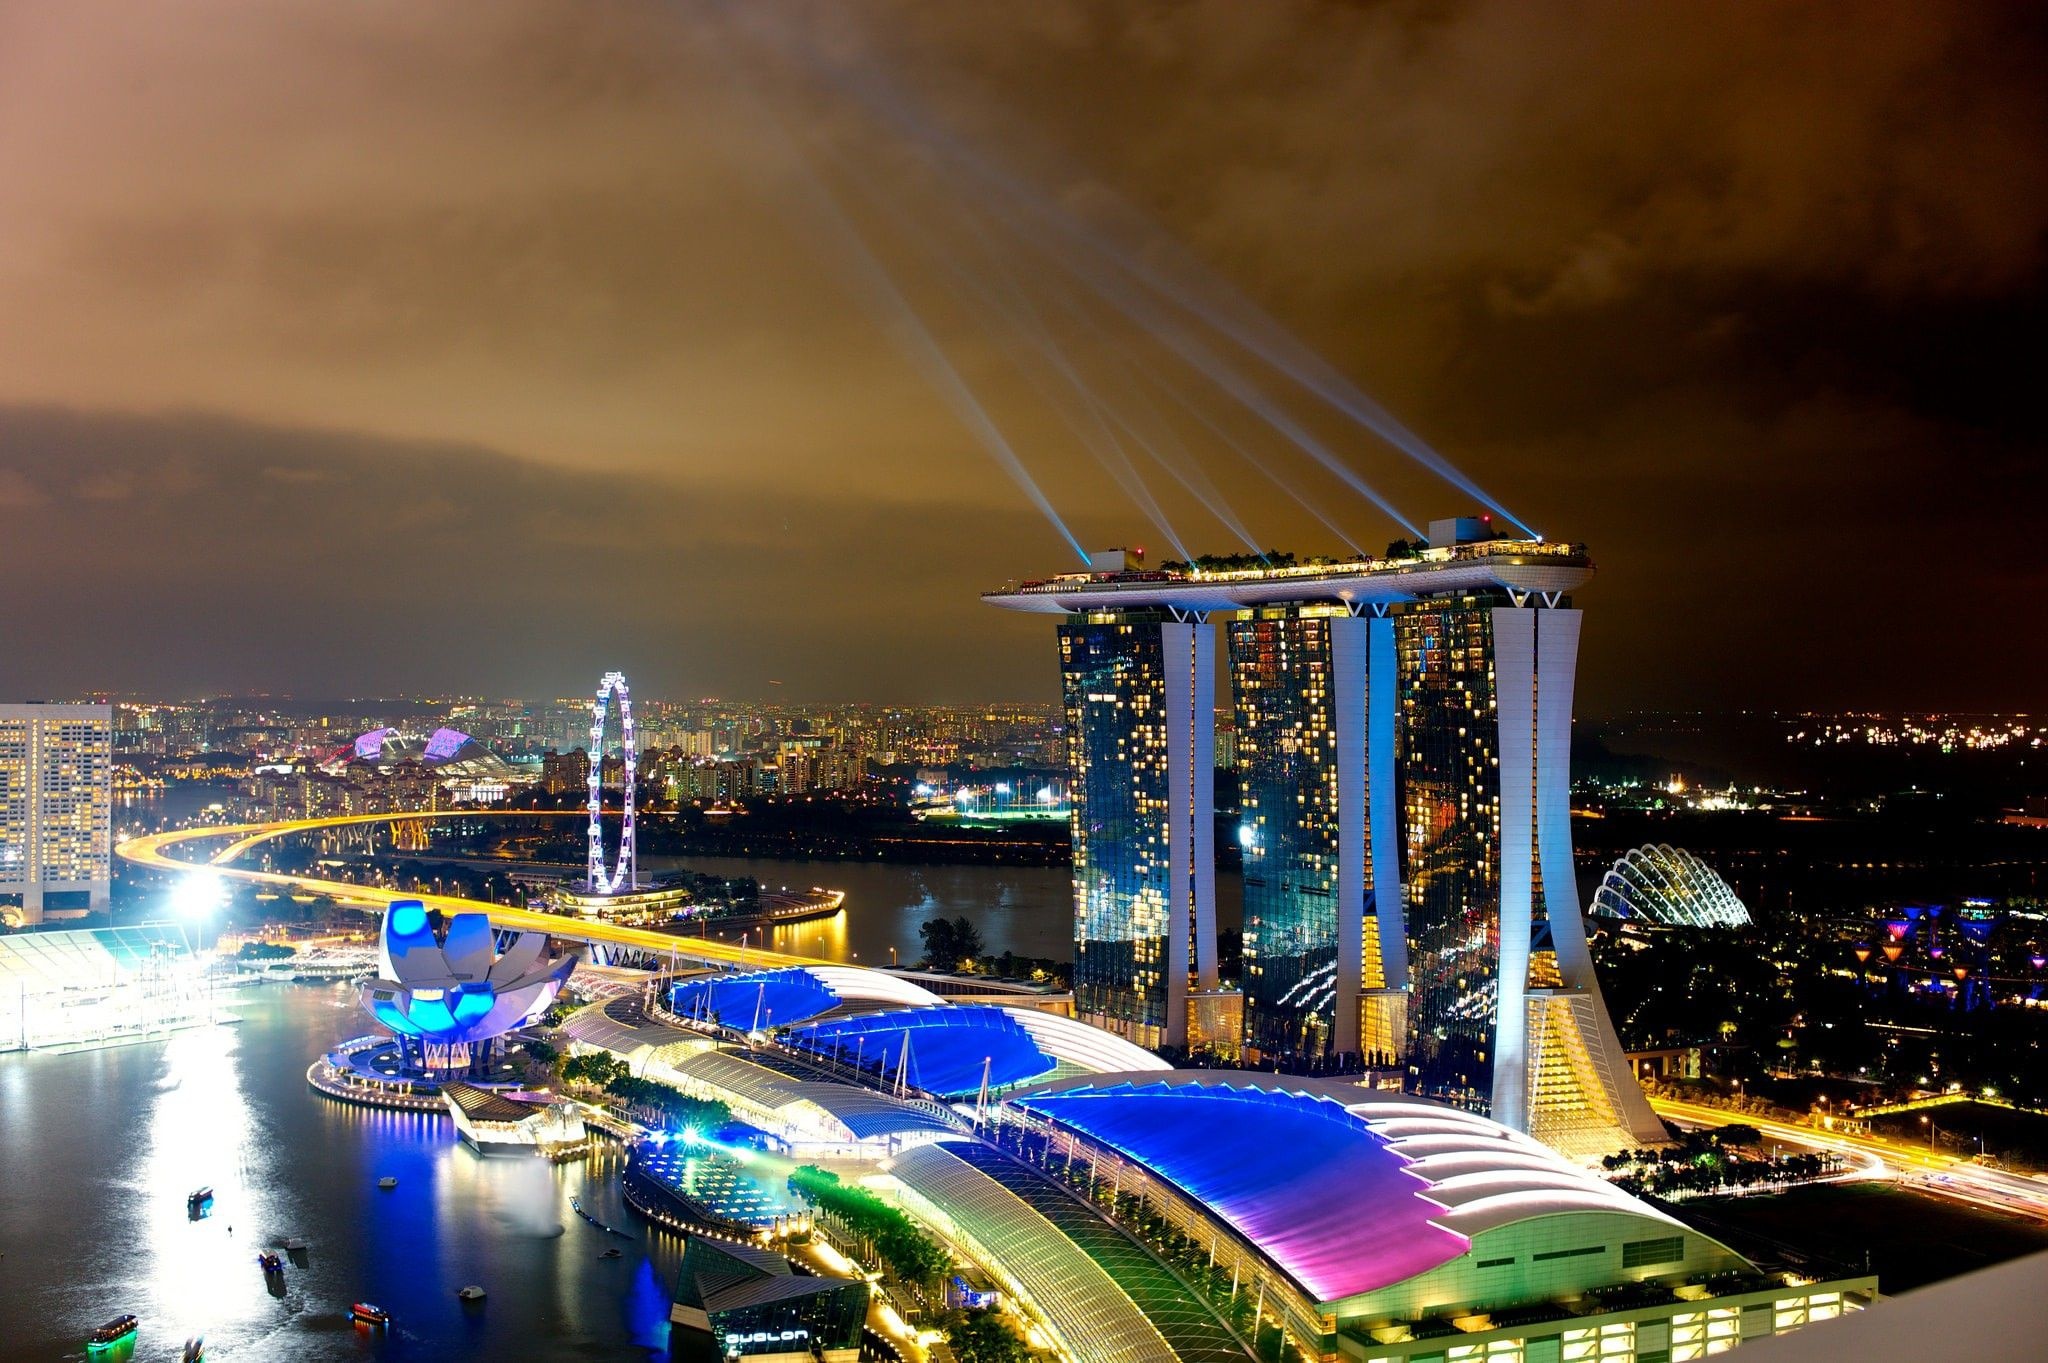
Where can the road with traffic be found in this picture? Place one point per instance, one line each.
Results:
(154, 851)
(1878, 1157)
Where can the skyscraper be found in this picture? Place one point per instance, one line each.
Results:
(1138, 689)
(1297, 681)
(1403, 736)
(56, 805)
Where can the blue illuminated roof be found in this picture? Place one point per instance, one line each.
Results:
(1299, 1176)
(755, 999)
(949, 1048)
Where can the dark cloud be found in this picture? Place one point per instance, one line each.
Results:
(200, 555)
(1744, 295)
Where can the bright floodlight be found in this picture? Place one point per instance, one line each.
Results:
(198, 895)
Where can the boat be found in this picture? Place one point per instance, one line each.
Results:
(271, 1262)
(199, 1196)
(195, 1349)
(470, 1293)
(387, 1183)
(295, 1243)
(610, 1254)
(364, 1313)
(113, 1332)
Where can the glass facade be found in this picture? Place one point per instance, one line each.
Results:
(1113, 684)
(1449, 795)
(1284, 697)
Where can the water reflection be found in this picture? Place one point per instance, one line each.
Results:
(104, 1148)
(198, 1129)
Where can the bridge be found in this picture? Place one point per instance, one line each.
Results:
(153, 851)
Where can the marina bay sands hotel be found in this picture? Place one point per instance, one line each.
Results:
(1403, 735)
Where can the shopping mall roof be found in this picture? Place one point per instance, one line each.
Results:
(753, 999)
(862, 1113)
(1375, 1187)
(951, 1052)
(1095, 1319)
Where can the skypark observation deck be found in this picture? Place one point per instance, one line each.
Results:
(1521, 567)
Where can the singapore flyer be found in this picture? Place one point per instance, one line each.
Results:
(621, 875)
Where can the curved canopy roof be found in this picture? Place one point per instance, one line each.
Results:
(1094, 1318)
(860, 1113)
(1090, 1048)
(851, 982)
(1375, 1187)
(947, 1051)
(753, 999)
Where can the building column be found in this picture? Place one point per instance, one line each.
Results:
(1188, 654)
(1515, 682)
(1350, 652)
(1383, 800)
(1557, 653)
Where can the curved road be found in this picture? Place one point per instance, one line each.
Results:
(153, 851)
(1878, 1157)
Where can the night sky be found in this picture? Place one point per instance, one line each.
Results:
(376, 346)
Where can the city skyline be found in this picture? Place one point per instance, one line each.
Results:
(1761, 330)
(1512, 830)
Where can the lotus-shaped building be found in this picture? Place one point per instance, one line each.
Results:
(453, 987)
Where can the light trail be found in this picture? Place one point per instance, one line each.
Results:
(887, 303)
(1911, 1165)
(153, 851)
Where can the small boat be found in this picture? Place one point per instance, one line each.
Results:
(364, 1313)
(295, 1244)
(270, 1261)
(199, 1197)
(387, 1183)
(113, 1332)
(610, 1254)
(195, 1349)
(471, 1293)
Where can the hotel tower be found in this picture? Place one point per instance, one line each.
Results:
(1403, 736)
(56, 809)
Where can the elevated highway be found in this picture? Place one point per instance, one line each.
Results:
(154, 851)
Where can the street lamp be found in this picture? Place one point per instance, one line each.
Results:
(1928, 1122)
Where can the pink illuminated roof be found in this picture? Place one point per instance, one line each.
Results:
(1308, 1182)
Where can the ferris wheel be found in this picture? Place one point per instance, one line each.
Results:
(621, 875)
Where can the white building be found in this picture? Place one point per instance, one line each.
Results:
(56, 807)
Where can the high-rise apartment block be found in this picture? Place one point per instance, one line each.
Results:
(1402, 734)
(56, 807)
